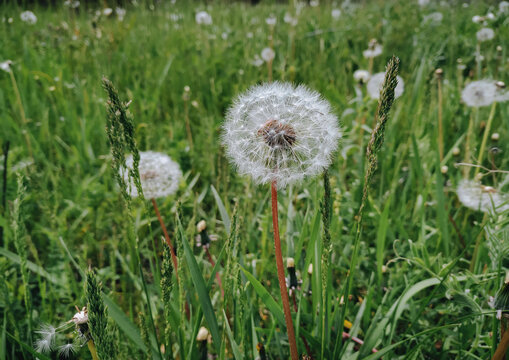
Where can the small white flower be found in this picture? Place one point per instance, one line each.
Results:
(482, 93)
(107, 11)
(335, 13)
(66, 350)
(28, 17)
(159, 175)
(203, 18)
(376, 82)
(6, 65)
(271, 20)
(485, 34)
(279, 132)
(373, 51)
(361, 76)
(268, 54)
(45, 343)
(478, 197)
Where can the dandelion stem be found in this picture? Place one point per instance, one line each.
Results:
(440, 125)
(91, 348)
(22, 113)
(502, 347)
(281, 276)
(485, 136)
(166, 236)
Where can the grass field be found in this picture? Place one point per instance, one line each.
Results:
(425, 265)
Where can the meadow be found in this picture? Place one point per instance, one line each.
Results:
(419, 273)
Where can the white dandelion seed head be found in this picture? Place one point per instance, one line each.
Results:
(336, 14)
(289, 19)
(477, 19)
(485, 34)
(478, 197)
(28, 17)
(361, 76)
(72, 4)
(434, 17)
(81, 317)
(490, 16)
(483, 93)
(280, 132)
(375, 84)
(6, 65)
(120, 13)
(503, 6)
(257, 61)
(373, 51)
(271, 20)
(159, 175)
(423, 2)
(203, 334)
(107, 11)
(268, 54)
(47, 338)
(314, 3)
(66, 350)
(203, 18)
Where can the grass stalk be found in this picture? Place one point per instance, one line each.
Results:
(439, 73)
(92, 349)
(166, 236)
(485, 137)
(21, 113)
(281, 275)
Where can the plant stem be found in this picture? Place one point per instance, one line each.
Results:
(91, 348)
(166, 236)
(485, 136)
(22, 113)
(502, 347)
(281, 276)
(218, 278)
(440, 126)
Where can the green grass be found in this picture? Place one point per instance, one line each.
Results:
(418, 291)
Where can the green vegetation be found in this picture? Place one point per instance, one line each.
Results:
(425, 264)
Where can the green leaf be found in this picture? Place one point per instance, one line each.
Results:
(235, 347)
(222, 210)
(201, 289)
(28, 348)
(31, 266)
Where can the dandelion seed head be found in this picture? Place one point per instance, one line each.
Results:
(477, 19)
(375, 84)
(503, 6)
(66, 350)
(434, 17)
(159, 175)
(6, 65)
(361, 76)
(257, 61)
(81, 317)
(485, 34)
(271, 20)
(423, 2)
(374, 49)
(482, 93)
(28, 17)
(268, 54)
(203, 18)
(280, 132)
(107, 11)
(336, 13)
(203, 334)
(478, 197)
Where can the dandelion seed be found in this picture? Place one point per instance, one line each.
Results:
(374, 49)
(66, 350)
(485, 34)
(203, 18)
(268, 54)
(6, 65)
(47, 339)
(483, 93)
(159, 175)
(28, 17)
(361, 76)
(336, 14)
(478, 197)
(375, 84)
(279, 132)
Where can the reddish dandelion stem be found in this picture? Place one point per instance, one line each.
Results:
(281, 276)
(166, 236)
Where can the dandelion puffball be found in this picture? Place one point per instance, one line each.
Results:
(159, 175)
(373, 51)
(376, 82)
(485, 34)
(478, 197)
(280, 132)
(336, 13)
(268, 54)
(203, 18)
(28, 17)
(361, 76)
(483, 93)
